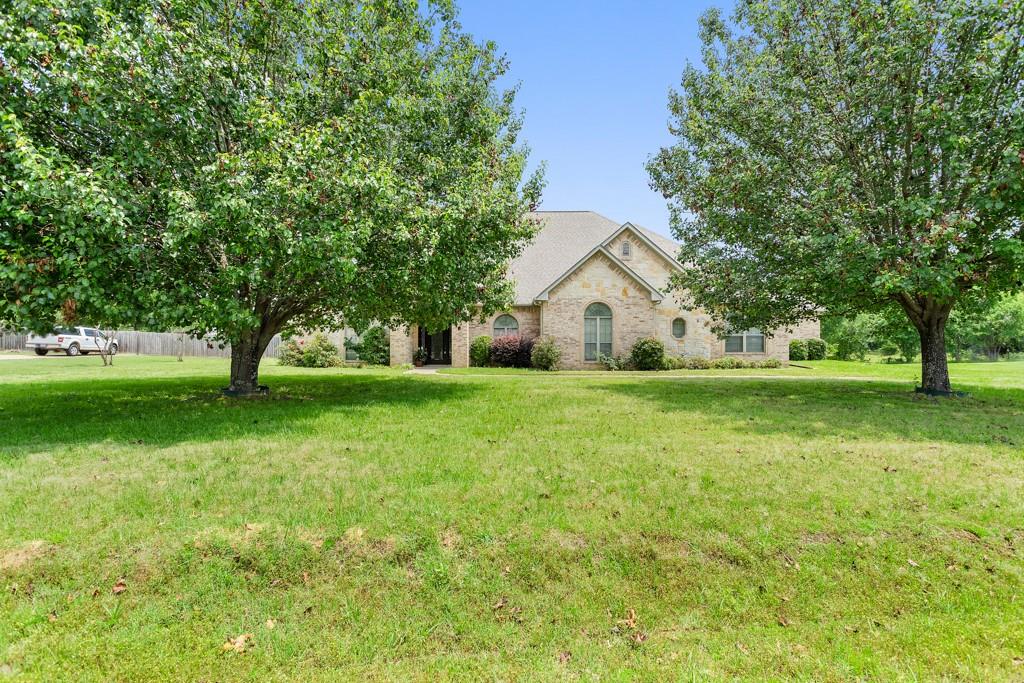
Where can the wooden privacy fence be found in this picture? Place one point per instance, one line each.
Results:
(152, 344)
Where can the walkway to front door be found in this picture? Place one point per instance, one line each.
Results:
(438, 346)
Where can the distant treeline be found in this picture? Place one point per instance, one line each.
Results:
(979, 330)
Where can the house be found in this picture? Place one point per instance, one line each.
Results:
(595, 287)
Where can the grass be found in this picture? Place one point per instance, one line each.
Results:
(434, 527)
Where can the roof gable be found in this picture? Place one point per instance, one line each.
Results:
(644, 237)
(601, 250)
(564, 240)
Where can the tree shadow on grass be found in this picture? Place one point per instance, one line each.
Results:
(850, 409)
(161, 412)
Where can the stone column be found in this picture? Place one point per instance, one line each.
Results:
(460, 346)
(400, 343)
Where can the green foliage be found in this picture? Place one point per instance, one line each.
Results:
(888, 350)
(771, 363)
(480, 351)
(696, 363)
(373, 347)
(545, 355)
(419, 355)
(817, 349)
(990, 328)
(729, 363)
(290, 353)
(851, 337)
(798, 349)
(850, 155)
(673, 363)
(243, 169)
(318, 352)
(647, 354)
(613, 363)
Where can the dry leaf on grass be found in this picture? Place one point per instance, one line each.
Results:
(271, 624)
(238, 644)
(564, 656)
(119, 587)
(630, 620)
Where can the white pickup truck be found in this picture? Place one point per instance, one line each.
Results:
(72, 341)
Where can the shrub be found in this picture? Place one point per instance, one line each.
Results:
(373, 346)
(888, 350)
(817, 349)
(480, 351)
(290, 353)
(524, 359)
(697, 363)
(648, 354)
(546, 355)
(729, 363)
(673, 363)
(797, 349)
(613, 363)
(767, 363)
(511, 351)
(320, 353)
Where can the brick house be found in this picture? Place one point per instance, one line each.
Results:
(595, 287)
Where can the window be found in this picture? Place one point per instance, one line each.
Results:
(749, 341)
(597, 332)
(627, 249)
(678, 328)
(505, 325)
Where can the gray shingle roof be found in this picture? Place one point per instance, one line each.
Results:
(563, 238)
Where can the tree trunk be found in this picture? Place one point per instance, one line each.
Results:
(246, 354)
(929, 317)
(934, 369)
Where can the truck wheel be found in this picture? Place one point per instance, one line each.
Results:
(41, 352)
(113, 349)
(73, 350)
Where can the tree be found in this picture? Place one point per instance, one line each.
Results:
(849, 155)
(278, 165)
(990, 329)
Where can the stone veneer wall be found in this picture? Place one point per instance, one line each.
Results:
(598, 280)
(527, 316)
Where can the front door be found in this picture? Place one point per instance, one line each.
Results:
(438, 346)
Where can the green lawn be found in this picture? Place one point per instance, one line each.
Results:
(510, 528)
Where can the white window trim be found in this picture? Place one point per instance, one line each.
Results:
(753, 332)
(597, 327)
(495, 328)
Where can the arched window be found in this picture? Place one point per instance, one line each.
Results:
(597, 332)
(505, 325)
(627, 249)
(678, 328)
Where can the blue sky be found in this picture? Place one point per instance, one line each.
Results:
(594, 80)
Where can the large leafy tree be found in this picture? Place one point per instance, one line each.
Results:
(275, 164)
(851, 155)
